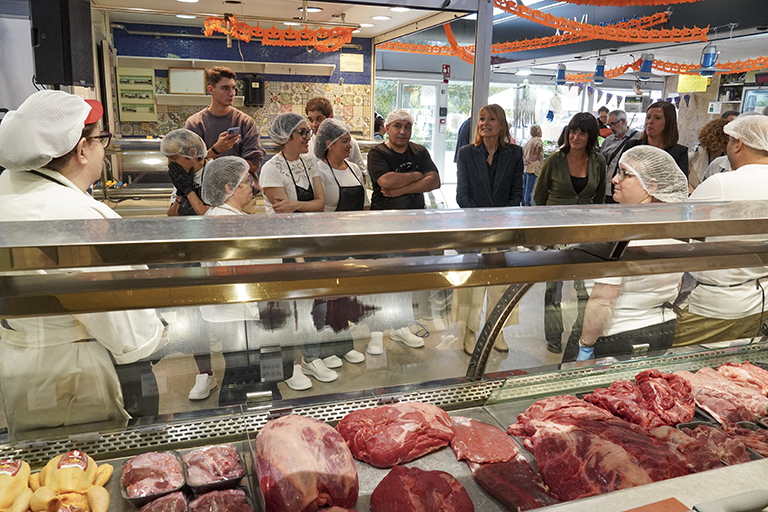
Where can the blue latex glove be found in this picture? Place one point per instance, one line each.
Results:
(585, 353)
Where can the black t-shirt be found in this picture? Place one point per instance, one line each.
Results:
(382, 159)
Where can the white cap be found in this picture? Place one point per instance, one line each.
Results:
(47, 125)
(751, 130)
(398, 115)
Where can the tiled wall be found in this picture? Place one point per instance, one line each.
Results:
(351, 103)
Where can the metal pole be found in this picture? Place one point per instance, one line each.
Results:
(482, 76)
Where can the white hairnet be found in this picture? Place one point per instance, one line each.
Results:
(329, 132)
(183, 142)
(654, 165)
(225, 170)
(751, 130)
(283, 126)
(47, 125)
(398, 115)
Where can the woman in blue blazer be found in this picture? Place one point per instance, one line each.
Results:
(490, 170)
(490, 173)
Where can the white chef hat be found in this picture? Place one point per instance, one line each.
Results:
(47, 125)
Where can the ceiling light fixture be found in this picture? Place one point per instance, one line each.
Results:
(599, 77)
(291, 23)
(312, 9)
(186, 16)
(524, 72)
(367, 25)
(399, 9)
(381, 17)
(188, 1)
(356, 31)
(560, 78)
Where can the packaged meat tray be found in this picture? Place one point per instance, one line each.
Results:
(213, 468)
(151, 475)
(228, 500)
(174, 502)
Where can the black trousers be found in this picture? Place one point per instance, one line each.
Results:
(658, 337)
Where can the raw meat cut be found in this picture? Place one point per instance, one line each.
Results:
(746, 375)
(724, 400)
(582, 450)
(338, 509)
(229, 500)
(693, 453)
(514, 483)
(213, 464)
(479, 442)
(152, 473)
(393, 434)
(755, 439)
(413, 490)
(624, 400)
(303, 464)
(667, 395)
(730, 451)
(174, 502)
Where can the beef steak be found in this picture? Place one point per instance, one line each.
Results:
(479, 442)
(413, 490)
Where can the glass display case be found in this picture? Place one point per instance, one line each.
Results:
(423, 297)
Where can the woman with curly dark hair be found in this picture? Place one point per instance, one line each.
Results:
(573, 175)
(661, 131)
(713, 142)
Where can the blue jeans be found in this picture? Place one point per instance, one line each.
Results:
(529, 183)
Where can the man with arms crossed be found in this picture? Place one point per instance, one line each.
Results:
(212, 123)
(400, 169)
(730, 304)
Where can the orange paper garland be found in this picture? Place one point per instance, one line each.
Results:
(325, 40)
(608, 32)
(628, 3)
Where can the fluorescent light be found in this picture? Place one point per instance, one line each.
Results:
(357, 31)
(188, 1)
(186, 16)
(291, 23)
(152, 161)
(367, 25)
(399, 9)
(524, 72)
(381, 18)
(312, 9)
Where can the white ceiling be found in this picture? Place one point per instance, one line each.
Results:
(280, 10)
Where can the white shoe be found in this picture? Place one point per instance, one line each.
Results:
(376, 345)
(404, 335)
(353, 356)
(318, 370)
(204, 383)
(332, 361)
(298, 381)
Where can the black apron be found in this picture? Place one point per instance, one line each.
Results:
(302, 194)
(350, 198)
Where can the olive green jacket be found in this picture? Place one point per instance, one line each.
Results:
(554, 185)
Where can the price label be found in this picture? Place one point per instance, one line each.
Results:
(9, 467)
(271, 365)
(74, 459)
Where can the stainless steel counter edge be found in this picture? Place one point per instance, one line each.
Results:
(81, 243)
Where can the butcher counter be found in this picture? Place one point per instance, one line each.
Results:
(154, 263)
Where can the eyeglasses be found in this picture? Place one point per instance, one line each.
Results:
(305, 133)
(248, 180)
(622, 174)
(615, 123)
(104, 137)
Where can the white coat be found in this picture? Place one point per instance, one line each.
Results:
(57, 370)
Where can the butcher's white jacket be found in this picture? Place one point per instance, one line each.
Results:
(56, 370)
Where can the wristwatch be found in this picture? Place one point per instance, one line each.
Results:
(583, 345)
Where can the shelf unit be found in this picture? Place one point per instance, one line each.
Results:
(731, 90)
(268, 68)
(136, 94)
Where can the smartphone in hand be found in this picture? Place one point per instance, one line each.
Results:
(235, 130)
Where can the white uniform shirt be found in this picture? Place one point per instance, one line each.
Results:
(641, 297)
(277, 173)
(350, 177)
(736, 292)
(56, 370)
(355, 155)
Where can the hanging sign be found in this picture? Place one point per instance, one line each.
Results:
(692, 83)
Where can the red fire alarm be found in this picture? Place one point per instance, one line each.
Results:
(446, 73)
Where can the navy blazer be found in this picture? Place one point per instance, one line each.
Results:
(474, 188)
